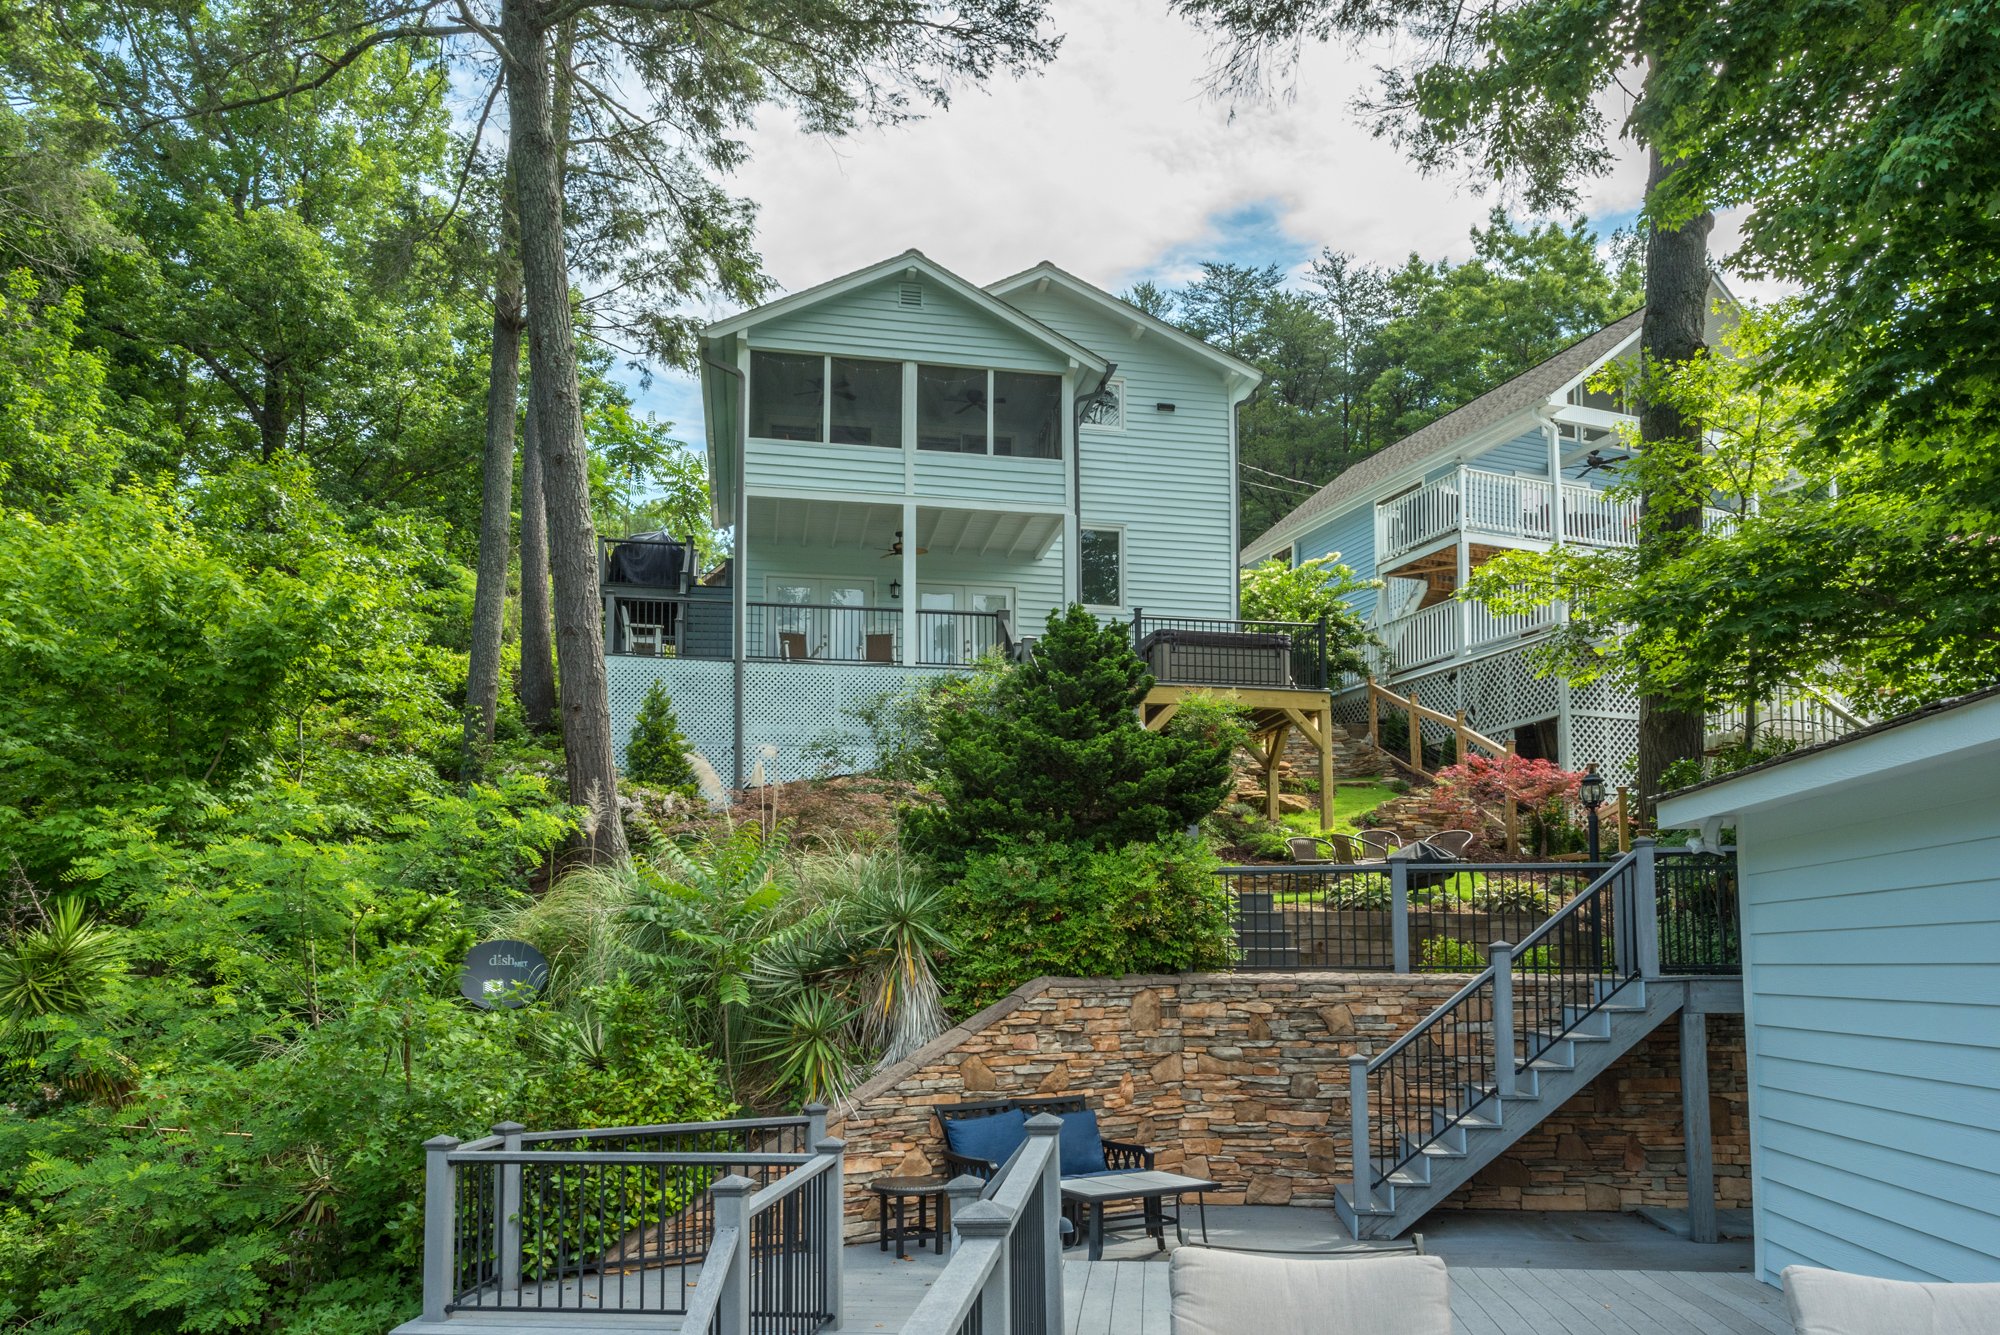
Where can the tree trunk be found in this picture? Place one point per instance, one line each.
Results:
(1674, 331)
(496, 505)
(589, 753)
(538, 674)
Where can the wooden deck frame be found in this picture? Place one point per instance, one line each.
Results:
(1273, 714)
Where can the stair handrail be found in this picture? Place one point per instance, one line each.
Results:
(1638, 864)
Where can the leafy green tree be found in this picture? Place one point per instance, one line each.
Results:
(656, 754)
(1055, 750)
(1277, 591)
(59, 432)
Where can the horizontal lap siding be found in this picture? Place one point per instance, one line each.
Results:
(946, 329)
(794, 465)
(1166, 478)
(1526, 455)
(1351, 534)
(1001, 479)
(1872, 959)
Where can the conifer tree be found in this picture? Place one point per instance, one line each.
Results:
(657, 752)
(1055, 750)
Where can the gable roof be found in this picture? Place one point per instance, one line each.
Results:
(945, 278)
(1121, 309)
(1530, 388)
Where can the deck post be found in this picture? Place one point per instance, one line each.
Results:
(1357, 1128)
(1416, 733)
(440, 1225)
(508, 1207)
(1046, 1205)
(1374, 717)
(731, 1196)
(1500, 955)
(961, 1192)
(836, 1220)
(1645, 909)
(1399, 914)
(1271, 752)
(1458, 731)
(1327, 784)
(815, 1115)
(1623, 820)
(1695, 1129)
(1511, 814)
(984, 1219)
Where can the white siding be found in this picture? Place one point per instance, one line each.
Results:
(1871, 921)
(1166, 478)
(871, 322)
(789, 465)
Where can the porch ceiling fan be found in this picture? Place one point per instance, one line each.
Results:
(841, 389)
(896, 548)
(1597, 459)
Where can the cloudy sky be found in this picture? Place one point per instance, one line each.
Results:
(1114, 164)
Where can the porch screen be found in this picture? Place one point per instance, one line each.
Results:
(785, 398)
(1027, 415)
(951, 409)
(867, 403)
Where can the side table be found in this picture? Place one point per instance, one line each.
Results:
(894, 1194)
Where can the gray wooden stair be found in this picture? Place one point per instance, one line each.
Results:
(1465, 1142)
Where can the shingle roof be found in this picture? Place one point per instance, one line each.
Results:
(1524, 391)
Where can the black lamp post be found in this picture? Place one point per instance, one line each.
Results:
(1591, 793)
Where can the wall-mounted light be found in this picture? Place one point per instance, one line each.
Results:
(895, 588)
(1163, 407)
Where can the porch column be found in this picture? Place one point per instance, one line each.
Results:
(1464, 574)
(1554, 438)
(909, 654)
(1695, 1128)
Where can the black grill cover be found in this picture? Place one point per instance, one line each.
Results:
(650, 560)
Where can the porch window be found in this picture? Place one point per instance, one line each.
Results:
(786, 402)
(867, 407)
(1101, 567)
(951, 409)
(1027, 415)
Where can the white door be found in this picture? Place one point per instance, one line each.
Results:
(824, 619)
(945, 637)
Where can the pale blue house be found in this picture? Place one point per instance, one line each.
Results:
(1869, 886)
(918, 470)
(1526, 465)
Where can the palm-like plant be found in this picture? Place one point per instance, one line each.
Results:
(58, 968)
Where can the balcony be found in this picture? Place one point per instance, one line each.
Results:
(1445, 630)
(1501, 505)
(696, 625)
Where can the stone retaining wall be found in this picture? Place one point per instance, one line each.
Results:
(1239, 1077)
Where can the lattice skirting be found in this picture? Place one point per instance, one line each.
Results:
(794, 714)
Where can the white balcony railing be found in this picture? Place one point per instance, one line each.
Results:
(1411, 520)
(1485, 626)
(1593, 519)
(1428, 636)
(1503, 503)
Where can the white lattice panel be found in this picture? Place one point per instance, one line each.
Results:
(1612, 743)
(787, 707)
(1502, 693)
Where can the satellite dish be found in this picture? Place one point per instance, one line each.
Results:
(503, 973)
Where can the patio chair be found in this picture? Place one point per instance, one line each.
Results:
(1828, 1302)
(1379, 843)
(1213, 1291)
(1454, 842)
(640, 637)
(979, 1137)
(879, 648)
(792, 645)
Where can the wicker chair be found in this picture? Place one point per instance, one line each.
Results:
(1454, 842)
(1379, 843)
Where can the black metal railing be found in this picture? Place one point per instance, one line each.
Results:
(615, 1220)
(1430, 1077)
(791, 1275)
(1700, 929)
(822, 633)
(1017, 1214)
(1572, 964)
(1348, 918)
(1196, 651)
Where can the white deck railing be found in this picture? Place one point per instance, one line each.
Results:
(1411, 520)
(1593, 519)
(1506, 505)
(1485, 626)
(1428, 636)
(1502, 503)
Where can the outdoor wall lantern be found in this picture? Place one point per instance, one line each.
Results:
(1591, 793)
(895, 588)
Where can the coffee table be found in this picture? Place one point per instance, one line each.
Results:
(1094, 1193)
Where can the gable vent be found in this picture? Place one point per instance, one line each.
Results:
(910, 294)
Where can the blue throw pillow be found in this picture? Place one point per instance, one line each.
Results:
(1082, 1147)
(992, 1137)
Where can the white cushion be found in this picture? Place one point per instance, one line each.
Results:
(1829, 1302)
(1226, 1293)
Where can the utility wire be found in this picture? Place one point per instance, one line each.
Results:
(1280, 476)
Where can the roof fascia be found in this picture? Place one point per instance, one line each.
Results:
(1125, 310)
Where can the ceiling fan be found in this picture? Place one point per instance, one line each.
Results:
(1598, 459)
(896, 548)
(841, 389)
(974, 397)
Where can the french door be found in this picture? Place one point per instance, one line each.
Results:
(825, 619)
(946, 634)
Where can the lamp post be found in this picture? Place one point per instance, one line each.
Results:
(1591, 793)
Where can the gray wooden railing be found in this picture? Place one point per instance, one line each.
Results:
(613, 1220)
(1005, 1272)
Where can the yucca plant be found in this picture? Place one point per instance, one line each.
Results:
(59, 968)
(807, 1046)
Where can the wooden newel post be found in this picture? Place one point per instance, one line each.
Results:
(1357, 1105)
(1500, 955)
(1374, 716)
(1622, 819)
(1511, 814)
(440, 1225)
(1458, 731)
(731, 1197)
(1416, 735)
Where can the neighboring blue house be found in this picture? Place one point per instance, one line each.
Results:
(1524, 466)
(918, 470)
(1869, 892)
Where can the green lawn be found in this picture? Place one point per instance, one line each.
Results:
(1350, 803)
